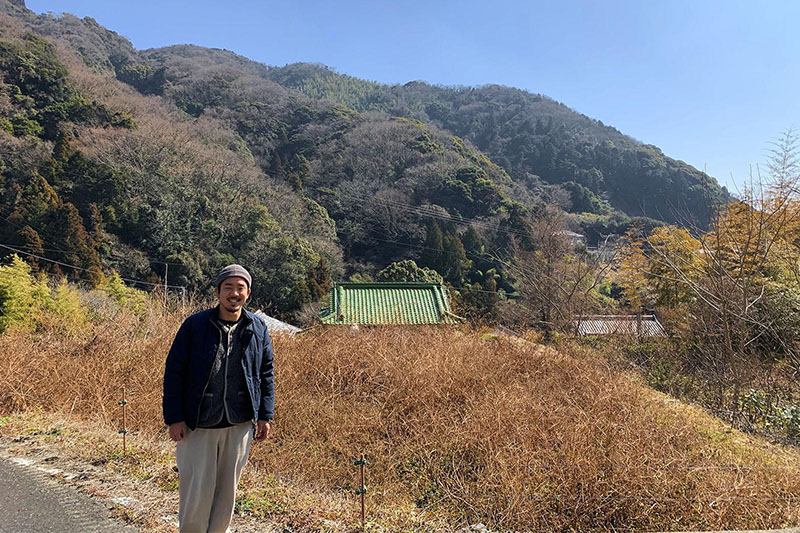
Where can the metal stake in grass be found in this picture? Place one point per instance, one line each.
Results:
(363, 490)
(124, 430)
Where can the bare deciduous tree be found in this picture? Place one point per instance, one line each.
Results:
(556, 279)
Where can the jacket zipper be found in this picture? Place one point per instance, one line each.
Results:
(225, 383)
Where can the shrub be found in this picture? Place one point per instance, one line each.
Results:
(408, 270)
(126, 297)
(22, 296)
(65, 314)
(456, 427)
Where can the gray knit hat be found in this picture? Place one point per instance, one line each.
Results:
(231, 271)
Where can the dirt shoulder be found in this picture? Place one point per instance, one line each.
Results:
(143, 496)
(139, 487)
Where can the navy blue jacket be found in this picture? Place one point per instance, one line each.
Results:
(189, 362)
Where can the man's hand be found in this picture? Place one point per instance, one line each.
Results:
(178, 431)
(262, 430)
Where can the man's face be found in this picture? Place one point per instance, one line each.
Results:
(232, 294)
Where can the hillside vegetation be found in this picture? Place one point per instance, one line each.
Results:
(533, 137)
(457, 426)
(166, 164)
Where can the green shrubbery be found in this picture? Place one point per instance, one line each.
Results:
(123, 295)
(22, 296)
(32, 302)
(408, 270)
(768, 412)
(773, 411)
(65, 311)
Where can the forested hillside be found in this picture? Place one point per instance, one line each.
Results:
(532, 136)
(182, 159)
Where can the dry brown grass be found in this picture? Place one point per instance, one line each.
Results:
(457, 426)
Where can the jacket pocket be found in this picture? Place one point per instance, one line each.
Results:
(206, 402)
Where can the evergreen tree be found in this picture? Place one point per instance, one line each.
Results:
(456, 265)
(479, 300)
(433, 250)
(319, 279)
(31, 242)
(516, 227)
(77, 241)
(473, 242)
(277, 166)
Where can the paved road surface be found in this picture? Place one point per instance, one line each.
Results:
(32, 502)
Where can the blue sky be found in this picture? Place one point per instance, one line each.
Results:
(709, 82)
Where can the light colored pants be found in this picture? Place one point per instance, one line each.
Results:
(210, 462)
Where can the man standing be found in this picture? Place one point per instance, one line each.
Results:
(218, 383)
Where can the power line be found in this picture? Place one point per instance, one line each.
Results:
(57, 250)
(60, 263)
(12, 223)
(36, 248)
(38, 233)
(416, 210)
(422, 211)
(150, 261)
(92, 286)
(489, 258)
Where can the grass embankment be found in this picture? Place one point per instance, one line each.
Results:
(457, 427)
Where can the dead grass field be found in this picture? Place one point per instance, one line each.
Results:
(458, 427)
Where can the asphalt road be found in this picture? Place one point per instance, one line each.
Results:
(32, 502)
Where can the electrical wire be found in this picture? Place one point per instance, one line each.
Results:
(57, 250)
(75, 267)
(423, 211)
(409, 208)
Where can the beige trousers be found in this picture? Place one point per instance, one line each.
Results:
(210, 462)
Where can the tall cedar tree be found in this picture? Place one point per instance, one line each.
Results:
(433, 250)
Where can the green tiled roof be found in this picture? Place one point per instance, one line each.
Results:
(388, 303)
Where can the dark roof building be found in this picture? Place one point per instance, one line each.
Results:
(638, 325)
(575, 239)
(388, 303)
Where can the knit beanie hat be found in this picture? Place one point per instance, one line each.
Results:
(233, 271)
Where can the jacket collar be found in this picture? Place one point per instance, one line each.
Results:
(246, 318)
